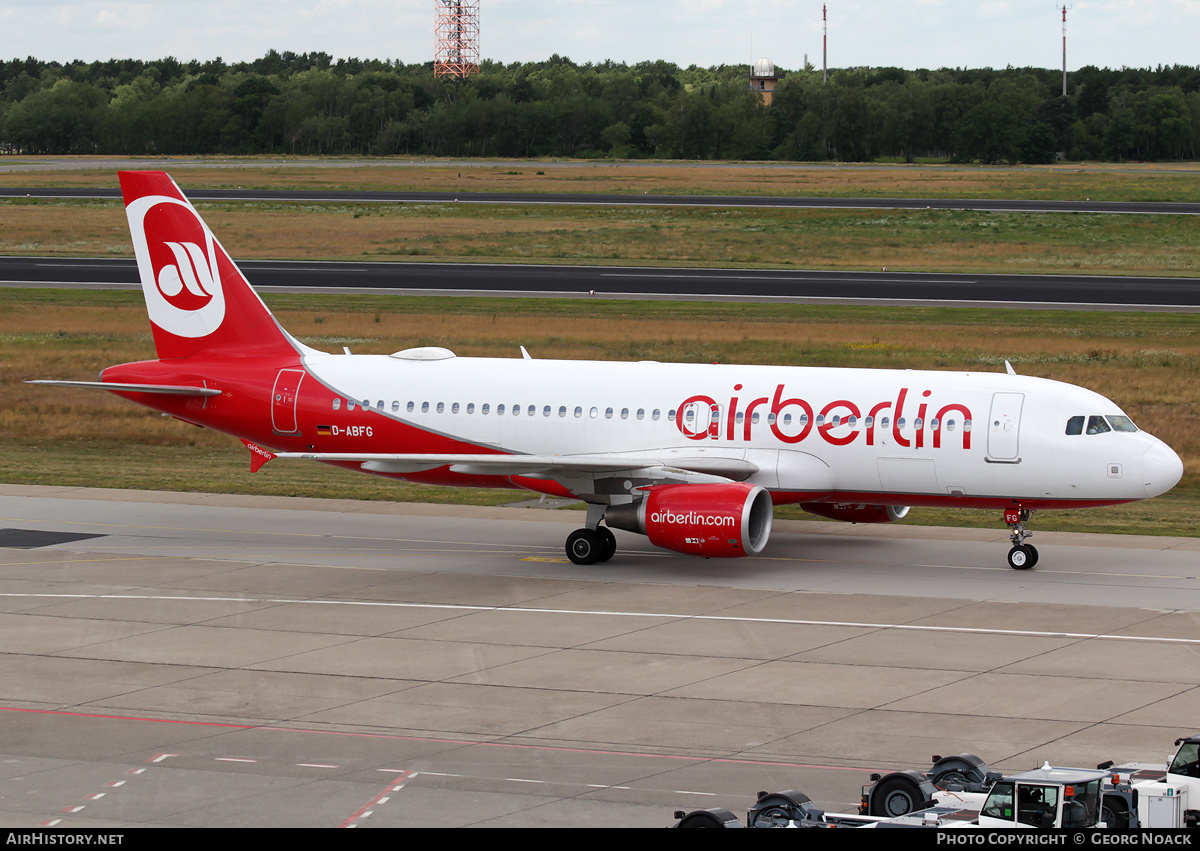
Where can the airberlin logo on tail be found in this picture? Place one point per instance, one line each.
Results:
(178, 264)
(189, 282)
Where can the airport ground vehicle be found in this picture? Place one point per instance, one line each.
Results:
(962, 791)
(1132, 795)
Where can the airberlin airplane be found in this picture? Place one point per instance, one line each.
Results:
(693, 456)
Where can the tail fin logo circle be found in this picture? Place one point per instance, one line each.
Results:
(177, 259)
(191, 271)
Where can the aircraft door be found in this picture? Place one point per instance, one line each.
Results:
(700, 419)
(1004, 427)
(284, 399)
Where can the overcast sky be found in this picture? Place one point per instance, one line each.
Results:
(904, 33)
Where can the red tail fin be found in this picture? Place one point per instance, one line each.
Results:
(197, 299)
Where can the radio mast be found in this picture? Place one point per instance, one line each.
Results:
(824, 46)
(1064, 31)
(456, 38)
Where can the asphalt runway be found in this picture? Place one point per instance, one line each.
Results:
(203, 660)
(821, 287)
(786, 202)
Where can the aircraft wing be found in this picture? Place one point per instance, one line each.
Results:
(536, 466)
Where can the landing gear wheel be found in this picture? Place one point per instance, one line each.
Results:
(585, 546)
(608, 543)
(1022, 557)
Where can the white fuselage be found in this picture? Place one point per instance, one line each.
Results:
(911, 436)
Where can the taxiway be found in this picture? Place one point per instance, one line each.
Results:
(193, 659)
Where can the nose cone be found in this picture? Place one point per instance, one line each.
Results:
(1161, 469)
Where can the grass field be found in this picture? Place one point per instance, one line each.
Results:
(1066, 181)
(901, 240)
(1148, 362)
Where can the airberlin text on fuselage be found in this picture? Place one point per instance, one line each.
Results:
(833, 422)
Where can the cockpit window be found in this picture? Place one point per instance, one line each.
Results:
(1097, 425)
(1075, 425)
(1121, 423)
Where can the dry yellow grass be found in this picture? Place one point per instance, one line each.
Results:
(900, 240)
(1099, 181)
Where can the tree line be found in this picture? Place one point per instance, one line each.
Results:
(308, 104)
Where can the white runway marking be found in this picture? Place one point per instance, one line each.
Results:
(1150, 639)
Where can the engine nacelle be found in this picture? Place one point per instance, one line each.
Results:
(856, 513)
(718, 520)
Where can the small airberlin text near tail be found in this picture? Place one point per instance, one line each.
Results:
(197, 298)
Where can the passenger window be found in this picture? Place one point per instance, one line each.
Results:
(546, 411)
(562, 410)
(578, 412)
(641, 414)
(470, 407)
(1097, 425)
(624, 413)
(1075, 425)
(410, 406)
(441, 407)
(396, 406)
(533, 410)
(454, 408)
(608, 412)
(499, 410)
(337, 404)
(486, 408)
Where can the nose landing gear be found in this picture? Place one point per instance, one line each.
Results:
(1022, 556)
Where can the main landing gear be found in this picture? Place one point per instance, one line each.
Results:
(588, 546)
(1022, 556)
(594, 543)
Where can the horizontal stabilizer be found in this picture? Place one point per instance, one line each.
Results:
(161, 389)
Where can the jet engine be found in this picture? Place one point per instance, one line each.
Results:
(849, 513)
(712, 520)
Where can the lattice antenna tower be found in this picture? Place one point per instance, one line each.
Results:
(456, 38)
(1064, 9)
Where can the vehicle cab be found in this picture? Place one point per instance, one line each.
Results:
(1044, 799)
